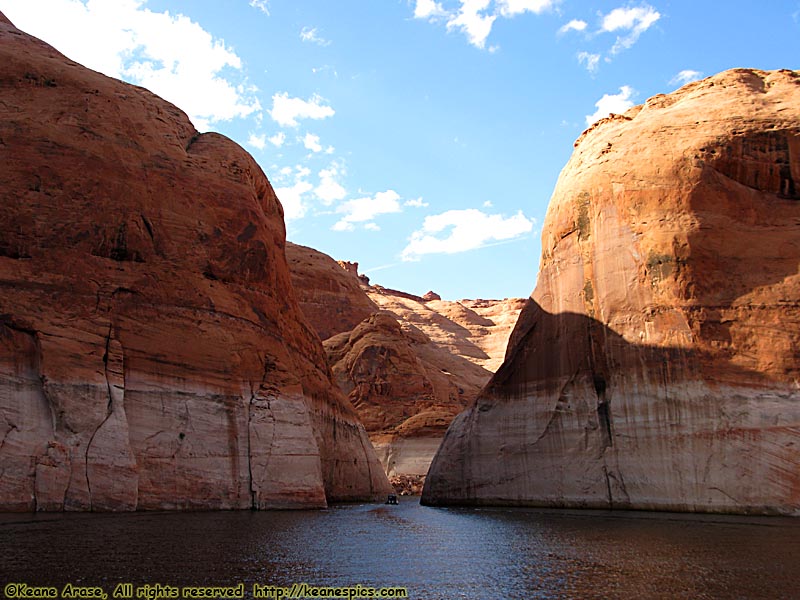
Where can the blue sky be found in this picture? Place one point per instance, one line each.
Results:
(421, 139)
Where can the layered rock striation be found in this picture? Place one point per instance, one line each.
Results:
(409, 364)
(405, 388)
(657, 364)
(152, 352)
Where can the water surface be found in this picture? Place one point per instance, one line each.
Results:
(434, 552)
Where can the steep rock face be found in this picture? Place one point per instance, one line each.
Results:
(656, 365)
(152, 353)
(405, 388)
(329, 293)
(477, 330)
(410, 368)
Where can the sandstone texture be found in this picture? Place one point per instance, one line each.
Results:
(656, 365)
(405, 388)
(152, 352)
(329, 292)
(408, 364)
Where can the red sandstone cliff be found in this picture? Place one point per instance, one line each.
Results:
(657, 363)
(330, 293)
(152, 352)
(408, 368)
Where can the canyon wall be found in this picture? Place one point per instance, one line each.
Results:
(331, 297)
(152, 352)
(408, 364)
(656, 363)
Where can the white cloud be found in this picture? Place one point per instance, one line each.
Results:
(329, 189)
(416, 203)
(488, 204)
(686, 76)
(574, 25)
(261, 5)
(294, 206)
(428, 9)
(510, 8)
(612, 103)
(257, 141)
(462, 230)
(362, 210)
(302, 172)
(286, 111)
(171, 55)
(475, 25)
(636, 20)
(311, 142)
(309, 34)
(372, 226)
(278, 139)
(475, 18)
(591, 61)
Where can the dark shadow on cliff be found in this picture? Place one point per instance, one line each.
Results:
(577, 367)
(546, 348)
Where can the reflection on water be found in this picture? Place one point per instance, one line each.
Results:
(434, 552)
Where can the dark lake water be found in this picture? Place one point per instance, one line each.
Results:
(433, 552)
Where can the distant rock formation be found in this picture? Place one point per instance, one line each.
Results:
(152, 352)
(329, 292)
(431, 295)
(657, 365)
(407, 369)
(476, 330)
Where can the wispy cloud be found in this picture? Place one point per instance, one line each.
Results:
(510, 8)
(381, 267)
(685, 76)
(286, 111)
(364, 210)
(475, 18)
(416, 203)
(461, 230)
(169, 54)
(309, 34)
(574, 25)
(589, 60)
(612, 103)
(634, 20)
(262, 5)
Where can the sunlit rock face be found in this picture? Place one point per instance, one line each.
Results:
(152, 352)
(657, 363)
(409, 364)
(331, 297)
